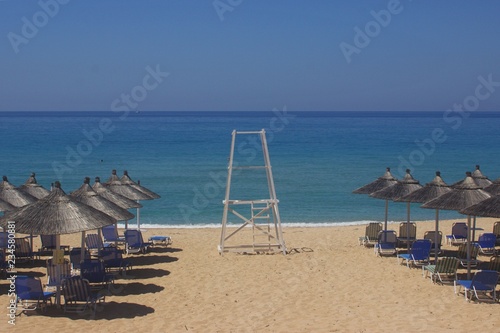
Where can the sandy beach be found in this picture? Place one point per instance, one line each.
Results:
(327, 283)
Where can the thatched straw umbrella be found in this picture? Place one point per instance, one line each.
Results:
(13, 195)
(480, 179)
(380, 183)
(494, 187)
(116, 185)
(86, 194)
(395, 192)
(487, 208)
(5, 206)
(463, 195)
(116, 198)
(32, 187)
(432, 190)
(56, 214)
(128, 181)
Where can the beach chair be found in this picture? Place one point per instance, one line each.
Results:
(4, 237)
(386, 244)
(407, 233)
(371, 234)
(134, 242)
(30, 295)
(75, 257)
(482, 282)
(94, 243)
(445, 268)
(23, 249)
(94, 271)
(78, 296)
(496, 231)
(49, 244)
(4, 265)
(494, 264)
(113, 259)
(458, 234)
(430, 235)
(56, 273)
(161, 240)
(486, 243)
(110, 235)
(419, 253)
(462, 255)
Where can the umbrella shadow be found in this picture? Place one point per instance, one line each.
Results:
(137, 288)
(164, 249)
(31, 263)
(106, 311)
(144, 273)
(150, 260)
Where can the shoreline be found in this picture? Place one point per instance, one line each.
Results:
(327, 282)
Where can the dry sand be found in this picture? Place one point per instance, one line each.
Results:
(328, 283)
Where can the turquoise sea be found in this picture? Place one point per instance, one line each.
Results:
(318, 158)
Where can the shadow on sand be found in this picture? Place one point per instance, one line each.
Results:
(137, 288)
(107, 311)
(150, 260)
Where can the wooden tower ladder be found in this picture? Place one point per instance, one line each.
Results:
(264, 220)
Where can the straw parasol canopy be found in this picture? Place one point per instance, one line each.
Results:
(115, 184)
(32, 187)
(382, 182)
(494, 187)
(478, 177)
(463, 195)
(13, 195)
(5, 206)
(402, 187)
(395, 192)
(86, 194)
(56, 214)
(116, 198)
(128, 181)
(487, 208)
(430, 191)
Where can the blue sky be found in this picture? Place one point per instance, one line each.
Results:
(249, 55)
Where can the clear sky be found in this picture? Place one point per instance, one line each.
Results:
(195, 55)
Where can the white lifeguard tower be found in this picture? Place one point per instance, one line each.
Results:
(264, 218)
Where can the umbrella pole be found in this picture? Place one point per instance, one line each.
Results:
(468, 248)
(138, 218)
(408, 226)
(31, 243)
(82, 247)
(436, 238)
(386, 213)
(473, 238)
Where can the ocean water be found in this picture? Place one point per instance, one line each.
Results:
(318, 158)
